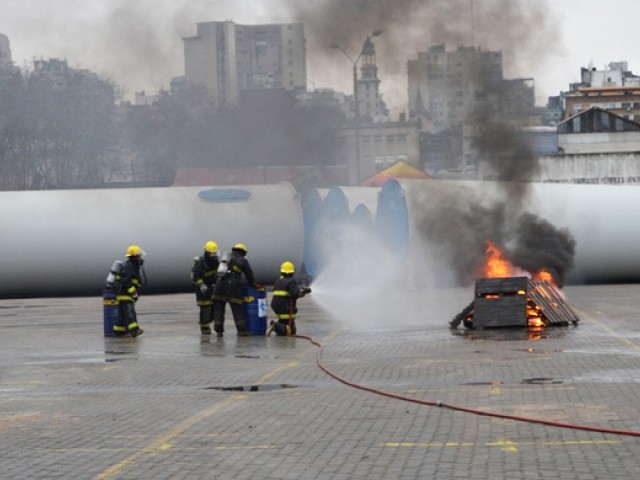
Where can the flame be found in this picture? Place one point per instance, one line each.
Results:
(495, 264)
(545, 275)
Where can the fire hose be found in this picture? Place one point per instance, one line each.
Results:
(405, 398)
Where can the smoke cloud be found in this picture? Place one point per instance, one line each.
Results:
(524, 31)
(139, 44)
(454, 221)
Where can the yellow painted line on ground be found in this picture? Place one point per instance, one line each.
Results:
(620, 337)
(429, 444)
(164, 441)
(503, 443)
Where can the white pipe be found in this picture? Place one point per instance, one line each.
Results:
(604, 220)
(63, 242)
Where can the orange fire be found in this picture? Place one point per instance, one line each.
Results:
(496, 265)
(545, 276)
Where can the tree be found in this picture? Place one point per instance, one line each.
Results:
(57, 127)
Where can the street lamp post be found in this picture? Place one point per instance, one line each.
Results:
(356, 102)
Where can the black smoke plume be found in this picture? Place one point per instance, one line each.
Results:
(540, 245)
(523, 30)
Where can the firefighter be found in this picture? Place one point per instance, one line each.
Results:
(286, 293)
(203, 275)
(129, 283)
(233, 267)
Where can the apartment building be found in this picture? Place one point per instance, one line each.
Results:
(5, 50)
(449, 84)
(227, 58)
(615, 88)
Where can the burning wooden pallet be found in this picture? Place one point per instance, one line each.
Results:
(515, 302)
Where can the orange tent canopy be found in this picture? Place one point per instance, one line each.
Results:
(400, 169)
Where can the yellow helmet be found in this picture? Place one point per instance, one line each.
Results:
(240, 246)
(287, 267)
(211, 247)
(134, 251)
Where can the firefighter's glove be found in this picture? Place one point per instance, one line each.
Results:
(203, 289)
(135, 296)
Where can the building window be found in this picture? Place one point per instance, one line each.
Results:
(401, 137)
(377, 138)
(619, 124)
(576, 125)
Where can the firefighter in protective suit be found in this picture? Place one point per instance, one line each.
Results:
(228, 289)
(286, 293)
(129, 281)
(204, 272)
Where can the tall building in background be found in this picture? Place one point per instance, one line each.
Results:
(227, 58)
(466, 86)
(615, 89)
(5, 51)
(449, 84)
(372, 107)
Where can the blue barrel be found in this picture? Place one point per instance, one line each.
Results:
(111, 311)
(255, 310)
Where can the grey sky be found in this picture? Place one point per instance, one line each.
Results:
(138, 43)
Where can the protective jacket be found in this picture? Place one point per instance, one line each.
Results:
(129, 281)
(204, 272)
(286, 292)
(228, 287)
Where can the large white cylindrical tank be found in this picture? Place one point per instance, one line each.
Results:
(344, 200)
(63, 242)
(312, 210)
(335, 226)
(603, 219)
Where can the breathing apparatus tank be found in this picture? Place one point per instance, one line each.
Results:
(111, 278)
(223, 266)
(195, 260)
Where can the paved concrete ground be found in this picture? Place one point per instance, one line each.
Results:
(171, 404)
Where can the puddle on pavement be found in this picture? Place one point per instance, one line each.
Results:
(542, 381)
(112, 356)
(497, 382)
(21, 306)
(526, 381)
(265, 387)
(510, 334)
(534, 350)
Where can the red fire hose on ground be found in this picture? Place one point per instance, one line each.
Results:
(630, 433)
